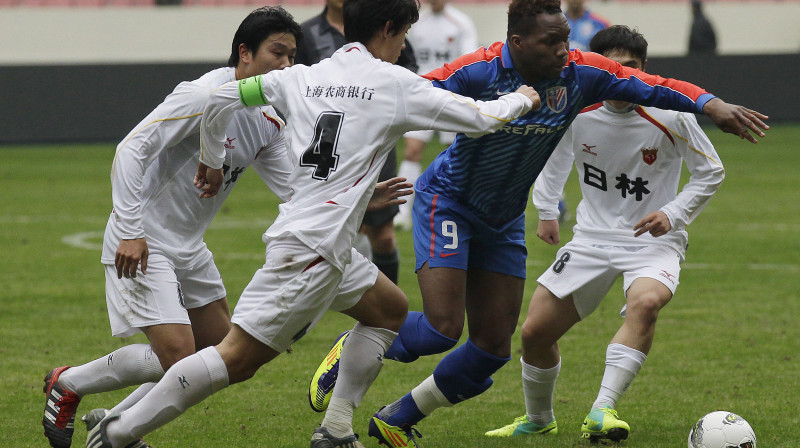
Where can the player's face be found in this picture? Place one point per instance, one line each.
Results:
(276, 52)
(543, 53)
(626, 59)
(394, 45)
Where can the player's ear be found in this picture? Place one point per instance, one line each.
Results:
(386, 30)
(244, 54)
(516, 41)
(644, 65)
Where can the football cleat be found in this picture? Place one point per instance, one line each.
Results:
(604, 424)
(393, 436)
(321, 387)
(523, 427)
(323, 439)
(96, 422)
(59, 410)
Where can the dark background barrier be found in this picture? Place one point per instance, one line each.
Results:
(102, 103)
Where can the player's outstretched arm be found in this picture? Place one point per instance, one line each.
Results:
(735, 119)
(390, 192)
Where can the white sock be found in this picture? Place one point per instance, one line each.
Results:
(538, 385)
(359, 365)
(128, 366)
(429, 397)
(411, 171)
(622, 365)
(134, 397)
(188, 382)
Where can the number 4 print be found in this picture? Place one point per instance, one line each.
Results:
(321, 154)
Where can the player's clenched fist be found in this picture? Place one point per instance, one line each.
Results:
(531, 93)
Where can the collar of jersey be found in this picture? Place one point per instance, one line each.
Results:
(355, 46)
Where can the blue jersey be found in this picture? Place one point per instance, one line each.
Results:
(492, 175)
(583, 29)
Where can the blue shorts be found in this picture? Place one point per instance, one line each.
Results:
(447, 234)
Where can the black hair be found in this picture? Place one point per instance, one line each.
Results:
(259, 25)
(620, 38)
(522, 14)
(364, 18)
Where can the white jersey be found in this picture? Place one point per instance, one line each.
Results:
(629, 164)
(346, 114)
(152, 176)
(438, 38)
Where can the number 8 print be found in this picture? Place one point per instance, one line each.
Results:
(561, 263)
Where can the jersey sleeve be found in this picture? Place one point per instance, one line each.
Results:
(550, 183)
(428, 107)
(466, 74)
(168, 124)
(272, 162)
(603, 79)
(707, 172)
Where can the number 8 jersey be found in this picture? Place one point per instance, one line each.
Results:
(344, 115)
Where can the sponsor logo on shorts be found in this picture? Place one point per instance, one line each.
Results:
(668, 276)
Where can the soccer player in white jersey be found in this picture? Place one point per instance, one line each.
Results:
(442, 34)
(631, 223)
(161, 279)
(346, 113)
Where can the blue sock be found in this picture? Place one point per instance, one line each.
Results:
(466, 372)
(416, 338)
(402, 411)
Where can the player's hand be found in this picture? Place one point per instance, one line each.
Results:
(130, 254)
(548, 231)
(209, 180)
(390, 192)
(735, 119)
(531, 93)
(655, 223)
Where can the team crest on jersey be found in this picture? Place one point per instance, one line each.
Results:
(556, 98)
(649, 155)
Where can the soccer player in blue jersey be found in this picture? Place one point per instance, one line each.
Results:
(469, 224)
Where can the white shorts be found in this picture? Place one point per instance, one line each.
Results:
(446, 138)
(294, 288)
(587, 271)
(160, 297)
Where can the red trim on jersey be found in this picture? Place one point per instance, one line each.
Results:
(594, 106)
(271, 120)
(314, 263)
(433, 232)
(370, 166)
(331, 202)
(602, 63)
(481, 55)
(351, 49)
(647, 117)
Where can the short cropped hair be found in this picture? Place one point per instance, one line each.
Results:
(364, 18)
(259, 25)
(522, 14)
(620, 38)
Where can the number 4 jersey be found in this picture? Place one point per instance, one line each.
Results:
(629, 164)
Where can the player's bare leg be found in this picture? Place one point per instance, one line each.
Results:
(214, 322)
(384, 248)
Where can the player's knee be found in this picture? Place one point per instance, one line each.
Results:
(394, 309)
(448, 325)
(645, 307)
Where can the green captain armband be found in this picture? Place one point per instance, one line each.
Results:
(251, 92)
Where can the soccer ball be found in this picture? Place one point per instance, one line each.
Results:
(722, 429)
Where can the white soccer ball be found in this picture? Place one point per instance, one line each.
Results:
(722, 429)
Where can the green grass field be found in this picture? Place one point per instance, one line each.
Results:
(728, 340)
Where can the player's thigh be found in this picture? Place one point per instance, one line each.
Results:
(369, 297)
(549, 317)
(444, 291)
(205, 299)
(442, 231)
(652, 277)
(144, 301)
(493, 306)
(287, 296)
(582, 271)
